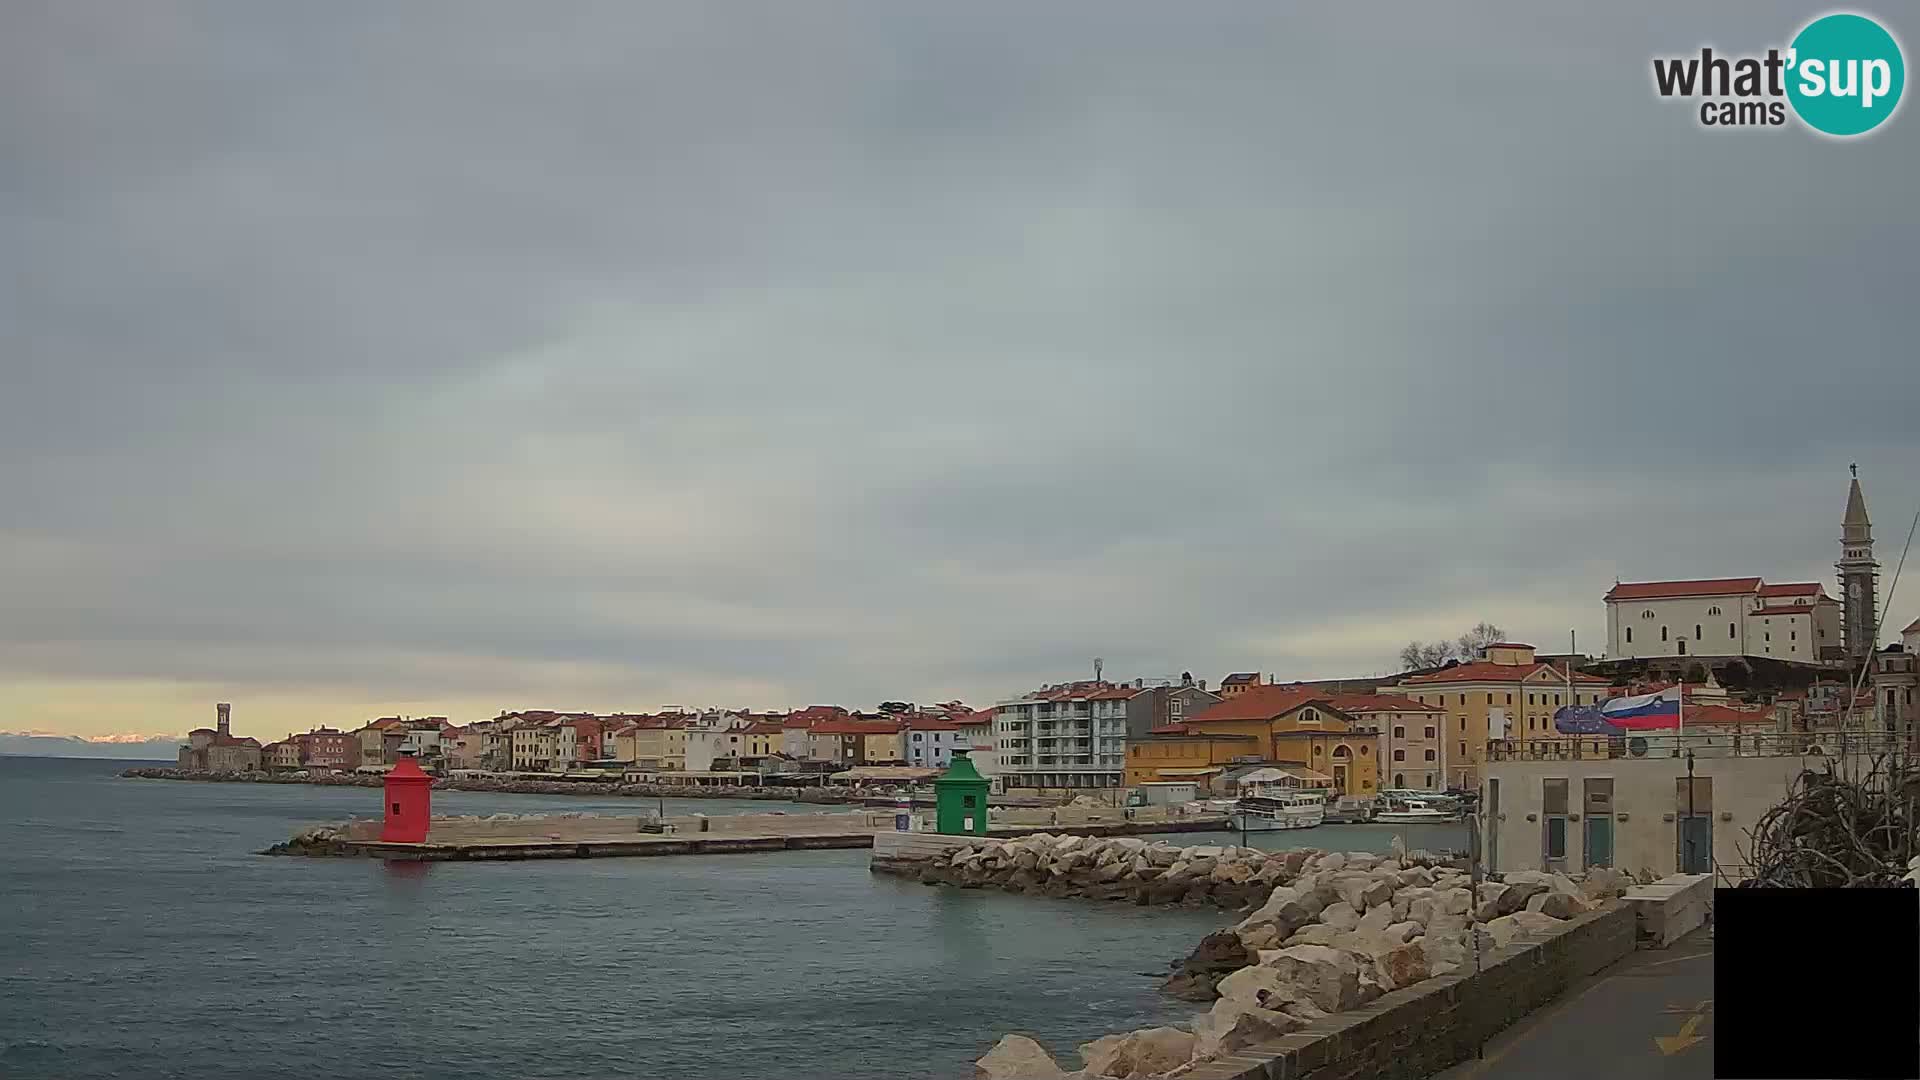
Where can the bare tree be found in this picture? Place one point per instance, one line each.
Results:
(1425, 654)
(1482, 635)
(1432, 654)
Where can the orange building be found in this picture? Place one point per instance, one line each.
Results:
(1290, 725)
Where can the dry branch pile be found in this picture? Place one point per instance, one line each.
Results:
(1838, 829)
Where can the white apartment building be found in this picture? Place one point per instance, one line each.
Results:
(1723, 617)
(1069, 736)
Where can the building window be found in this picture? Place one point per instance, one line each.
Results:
(1316, 751)
(1463, 699)
(1463, 723)
(1365, 750)
(1430, 733)
(1663, 633)
(1714, 610)
(1553, 812)
(1647, 614)
(1768, 636)
(1529, 723)
(1529, 699)
(1629, 635)
(1400, 780)
(1509, 699)
(1696, 631)
(1730, 634)
(1429, 755)
(1429, 780)
(1556, 699)
(1463, 751)
(1793, 635)
(1399, 755)
(1489, 699)
(1399, 732)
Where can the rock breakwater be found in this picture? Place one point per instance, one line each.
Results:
(1127, 868)
(1333, 932)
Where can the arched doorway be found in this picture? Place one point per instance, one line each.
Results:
(1342, 769)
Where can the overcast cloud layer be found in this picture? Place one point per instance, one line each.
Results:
(454, 357)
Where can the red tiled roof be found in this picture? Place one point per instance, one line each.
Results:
(1664, 590)
(932, 723)
(856, 727)
(765, 728)
(1488, 671)
(1362, 703)
(1261, 703)
(1239, 677)
(1118, 693)
(1793, 588)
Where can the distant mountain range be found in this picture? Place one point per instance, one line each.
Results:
(129, 747)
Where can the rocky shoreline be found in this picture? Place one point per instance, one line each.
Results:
(1331, 933)
(825, 796)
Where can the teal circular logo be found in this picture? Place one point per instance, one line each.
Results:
(1845, 74)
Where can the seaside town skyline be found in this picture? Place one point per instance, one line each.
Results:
(283, 719)
(1824, 622)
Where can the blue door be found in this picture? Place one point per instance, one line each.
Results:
(1696, 844)
(1599, 847)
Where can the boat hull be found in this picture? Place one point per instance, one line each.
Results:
(1241, 821)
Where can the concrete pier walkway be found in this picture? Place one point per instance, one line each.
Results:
(586, 837)
(1650, 1015)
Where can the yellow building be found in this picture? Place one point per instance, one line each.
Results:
(883, 747)
(653, 743)
(1508, 695)
(1265, 724)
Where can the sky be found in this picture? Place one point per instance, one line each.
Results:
(445, 358)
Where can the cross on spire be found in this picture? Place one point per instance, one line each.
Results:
(1854, 468)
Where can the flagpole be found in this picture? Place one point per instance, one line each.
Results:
(1681, 722)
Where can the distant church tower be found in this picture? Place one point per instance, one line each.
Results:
(1859, 576)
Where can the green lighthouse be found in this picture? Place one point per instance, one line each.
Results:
(960, 799)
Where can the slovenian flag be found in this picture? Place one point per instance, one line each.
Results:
(1644, 712)
(1617, 716)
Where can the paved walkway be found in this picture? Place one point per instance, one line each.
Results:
(1648, 1016)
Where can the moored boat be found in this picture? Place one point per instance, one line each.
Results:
(1271, 813)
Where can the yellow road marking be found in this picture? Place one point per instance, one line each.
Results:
(1670, 1045)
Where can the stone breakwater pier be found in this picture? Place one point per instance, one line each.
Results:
(1343, 964)
(582, 836)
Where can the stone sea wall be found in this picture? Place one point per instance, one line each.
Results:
(1333, 933)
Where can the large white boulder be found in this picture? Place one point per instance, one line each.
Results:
(1016, 1057)
(1340, 917)
(1329, 976)
(1146, 1052)
(1233, 1024)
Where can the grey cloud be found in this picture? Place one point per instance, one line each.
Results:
(864, 350)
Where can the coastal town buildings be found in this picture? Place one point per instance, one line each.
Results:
(1723, 617)
(1157, 706)
(1407, 734)
(1747, 617)
(1263, 725)
(1070, 735)
(1239, 683)
(930, 741)
(1508, 694)
(216, 749)
(327, 748)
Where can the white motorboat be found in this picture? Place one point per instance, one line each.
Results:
(1271, 813)
(1414, 812)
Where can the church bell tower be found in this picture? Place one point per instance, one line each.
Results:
(1859, 576)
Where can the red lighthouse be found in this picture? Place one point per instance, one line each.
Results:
(409, 803)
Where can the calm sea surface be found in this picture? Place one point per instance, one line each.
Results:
(143, 938)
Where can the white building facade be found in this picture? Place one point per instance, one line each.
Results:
(1723, 617)
(1068, 736)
